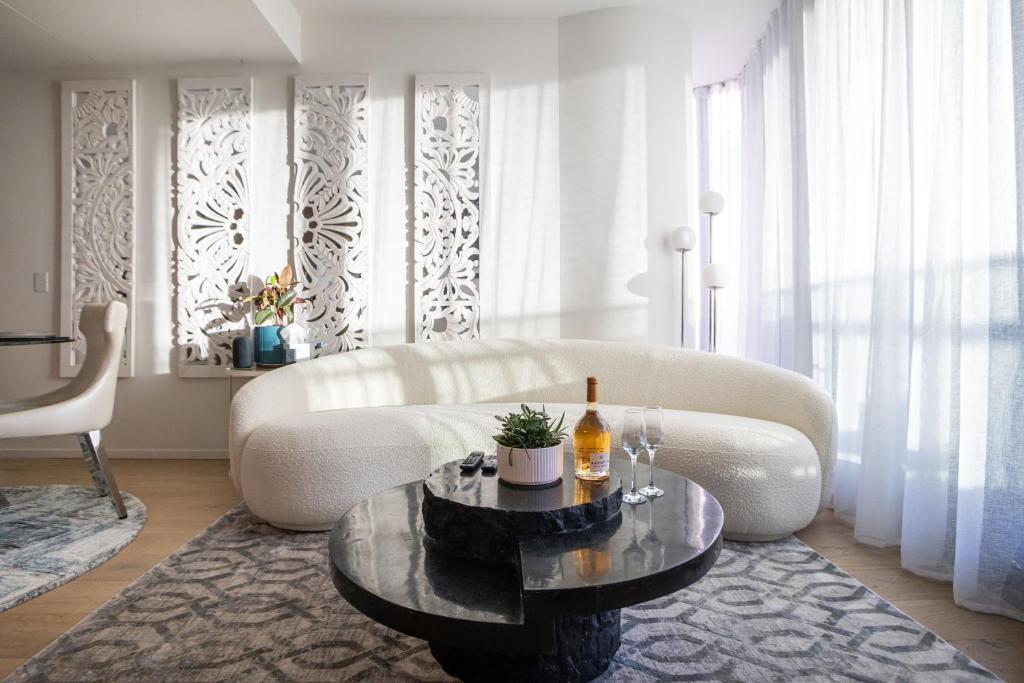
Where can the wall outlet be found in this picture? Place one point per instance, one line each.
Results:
(41, 282)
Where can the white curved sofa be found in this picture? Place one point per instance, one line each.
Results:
(310, 440)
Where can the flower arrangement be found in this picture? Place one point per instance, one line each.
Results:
(277, 299)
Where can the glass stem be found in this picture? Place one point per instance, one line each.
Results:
(632, 462)
(650, 461)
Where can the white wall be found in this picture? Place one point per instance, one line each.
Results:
(625, 113)
(159, 414)
(586, 175)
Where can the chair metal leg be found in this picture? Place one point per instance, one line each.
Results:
(95, 454)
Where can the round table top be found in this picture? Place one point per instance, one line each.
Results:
(29, 338)
(384, 563)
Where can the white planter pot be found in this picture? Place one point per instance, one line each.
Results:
(531, 466)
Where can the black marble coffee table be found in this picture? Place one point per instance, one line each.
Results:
(539, 606)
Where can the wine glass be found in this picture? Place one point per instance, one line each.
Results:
(654, 437)
(632, 441)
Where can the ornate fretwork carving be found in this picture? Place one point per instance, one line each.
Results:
(330, 207)
(212, 234)
(449, 114)
(99, 208)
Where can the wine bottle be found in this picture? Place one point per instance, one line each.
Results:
(592, 440)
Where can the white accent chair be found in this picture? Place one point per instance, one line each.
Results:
(84, 406)
(310, 440)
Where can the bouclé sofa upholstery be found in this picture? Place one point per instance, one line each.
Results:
(310, 440)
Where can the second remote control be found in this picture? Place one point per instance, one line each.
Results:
(472, 461)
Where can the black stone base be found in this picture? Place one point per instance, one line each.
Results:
(584, 647)
(479, 517)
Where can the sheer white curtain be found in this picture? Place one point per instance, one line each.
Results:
(752, 150)
(881, 244)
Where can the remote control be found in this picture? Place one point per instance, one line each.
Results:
(490, 464)
(472, 461)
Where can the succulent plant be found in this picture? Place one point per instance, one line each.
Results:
(530, 428)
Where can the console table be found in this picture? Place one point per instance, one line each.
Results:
(513, 584)
(31, 338)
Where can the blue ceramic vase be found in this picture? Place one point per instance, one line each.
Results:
(269, 349)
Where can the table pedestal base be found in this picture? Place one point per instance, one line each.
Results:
(584, 647)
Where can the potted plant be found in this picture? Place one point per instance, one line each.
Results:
(275, 303)
(530, 447)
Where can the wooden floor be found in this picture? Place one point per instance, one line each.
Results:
(186, 496)
(996, 642)
(183, 497)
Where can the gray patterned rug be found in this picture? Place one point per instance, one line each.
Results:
(51, 534)
(246, 601)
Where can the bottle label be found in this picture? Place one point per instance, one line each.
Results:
(599, 461)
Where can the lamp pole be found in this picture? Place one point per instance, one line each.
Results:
(684, 239)
(712, 299)
(712, 320)
(682, 303)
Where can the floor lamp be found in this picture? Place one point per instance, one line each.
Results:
(715, 275)
(684, 239)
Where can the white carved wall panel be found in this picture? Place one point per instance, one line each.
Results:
(212, 235)
(98, 208)
(330, 153)
(450, 117)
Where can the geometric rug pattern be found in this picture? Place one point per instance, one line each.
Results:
(246, 601)
(51, 534)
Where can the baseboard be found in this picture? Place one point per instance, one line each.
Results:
(147, 453)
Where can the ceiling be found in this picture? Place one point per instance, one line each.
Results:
(723, 32)
(59, 33)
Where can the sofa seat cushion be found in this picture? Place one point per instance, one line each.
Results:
(304, 471)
